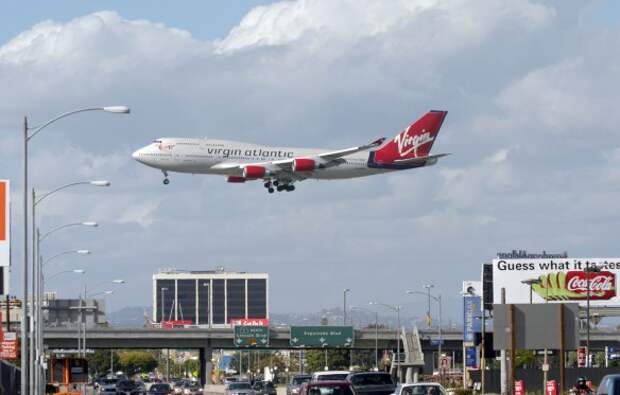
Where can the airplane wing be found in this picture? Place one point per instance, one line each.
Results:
(329, 159)
(285, 169)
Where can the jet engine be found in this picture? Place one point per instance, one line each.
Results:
(304, 164)
(254, 172)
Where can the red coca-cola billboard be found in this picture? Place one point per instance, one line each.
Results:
(602, 285)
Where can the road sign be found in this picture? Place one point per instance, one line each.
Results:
(582, 356)
(8, 347)
(444, 363)
(251, 336)
(322, 336)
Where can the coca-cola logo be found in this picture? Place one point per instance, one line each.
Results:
(574, 285)
(602, 285)
(407, 144)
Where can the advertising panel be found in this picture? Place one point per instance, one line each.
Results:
(5, 235)
(557, 280)
(249, 321)
(8, 346)
(472, 314)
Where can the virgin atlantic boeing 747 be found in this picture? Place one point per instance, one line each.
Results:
(279, 168)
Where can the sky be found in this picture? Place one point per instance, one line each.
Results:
(531, 88)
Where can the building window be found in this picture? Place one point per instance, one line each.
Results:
(257, 298)
(165, 289)
(203, 302)
(219, 316)
(236, 299)
(186, 303)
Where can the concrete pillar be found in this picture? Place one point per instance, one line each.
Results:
(206, 366)
(409, 375)
(416, 375)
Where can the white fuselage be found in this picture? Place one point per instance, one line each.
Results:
(206, 156)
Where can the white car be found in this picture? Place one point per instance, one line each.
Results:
(420, 389)
(329, 375)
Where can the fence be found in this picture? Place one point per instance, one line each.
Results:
(533, 378)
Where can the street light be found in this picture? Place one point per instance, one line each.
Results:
(397, 310)
(376, 313)
(531, 282)
(438, 300)
(28, 134)
(76, 271)
(588, 270)
(344, 305)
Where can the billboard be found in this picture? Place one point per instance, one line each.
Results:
(5, 235)
(557, 280)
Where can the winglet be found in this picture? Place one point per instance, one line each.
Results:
(374, 144)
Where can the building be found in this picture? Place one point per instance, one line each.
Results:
(67, 312)
(210, 298)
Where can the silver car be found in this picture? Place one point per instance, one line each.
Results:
(239, 388)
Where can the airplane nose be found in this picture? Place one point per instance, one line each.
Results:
(136, 155)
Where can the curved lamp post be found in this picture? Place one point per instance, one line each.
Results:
(396, 309)
(29, 133)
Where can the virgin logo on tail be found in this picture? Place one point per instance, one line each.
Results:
(407, 144)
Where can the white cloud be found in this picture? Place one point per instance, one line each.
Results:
(531, 128)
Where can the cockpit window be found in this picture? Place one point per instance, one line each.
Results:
(157, 141)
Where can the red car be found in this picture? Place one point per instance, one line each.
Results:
(340, 387)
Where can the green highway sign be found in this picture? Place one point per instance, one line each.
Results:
(251, 336)
(322, 336)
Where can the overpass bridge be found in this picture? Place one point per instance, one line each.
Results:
(205, 340)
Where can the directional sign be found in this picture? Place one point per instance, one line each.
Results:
(322, 336)
(251, 336)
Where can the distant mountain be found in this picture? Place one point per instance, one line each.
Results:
(134, 317)
(129, 317)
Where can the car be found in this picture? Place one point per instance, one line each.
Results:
(129, 387)
(192, 388)
(295, 384)
(264, 388)
(372, 383)
(177, 386)
(327, 387)
(229, 379)
(107, 386)
(330, 375)
(420, 389)
(160, 389)
(239, 388)
(610, 385)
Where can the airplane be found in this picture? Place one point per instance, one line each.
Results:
(280, 167)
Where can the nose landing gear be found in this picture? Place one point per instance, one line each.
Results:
(166, 180)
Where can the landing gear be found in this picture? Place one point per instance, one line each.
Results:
(166, 180)
(279, 186)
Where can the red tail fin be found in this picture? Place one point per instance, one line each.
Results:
(415, 141)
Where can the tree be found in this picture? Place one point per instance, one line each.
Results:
(525, 357)
(132, 362)
(336, 360)
(99, 361)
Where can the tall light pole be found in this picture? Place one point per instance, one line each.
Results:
(344, 322)
(438, 300)
(588, 270)
(531, 282)
(36, 348)
(28, 134)
(397, 310)
(376, 313)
